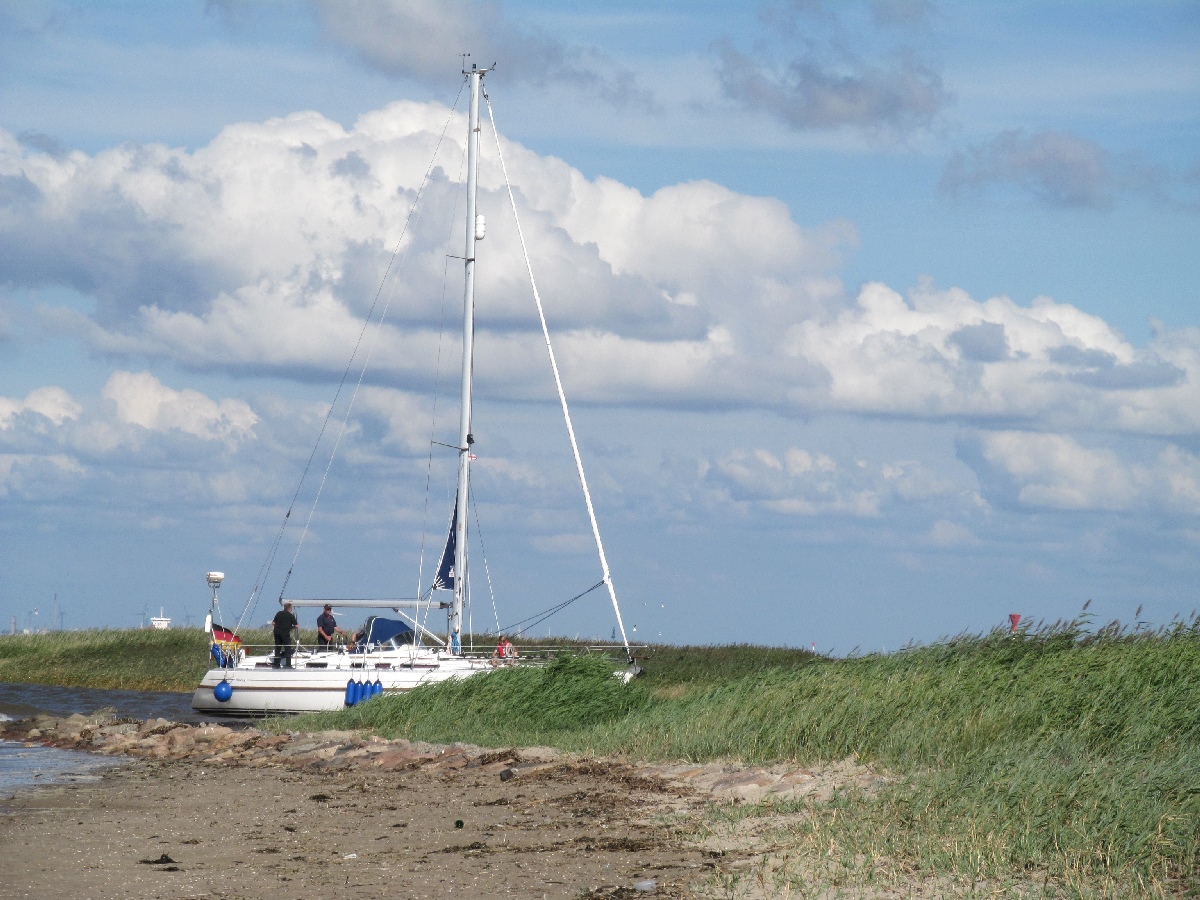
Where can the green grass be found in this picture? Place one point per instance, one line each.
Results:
(1076, 757)
(115, 659)
(517, 706)
(149, 660)
(674, 672)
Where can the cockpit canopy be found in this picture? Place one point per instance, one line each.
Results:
(378, 630)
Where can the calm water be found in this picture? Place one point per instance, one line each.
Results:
(22, 766)
(20, 700)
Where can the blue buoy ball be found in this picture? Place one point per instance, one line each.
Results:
(223, 691)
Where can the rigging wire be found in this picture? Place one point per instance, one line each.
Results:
(538, 618)
(437, 386)
(470, 611)
(264, 572)
(562, 397)
(483, 554)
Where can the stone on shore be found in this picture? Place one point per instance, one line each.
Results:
(104, 732)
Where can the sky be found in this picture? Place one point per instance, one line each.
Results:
(879, 320)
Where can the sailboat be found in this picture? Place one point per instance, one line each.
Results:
(389, 655)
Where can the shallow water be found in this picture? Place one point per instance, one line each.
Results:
(22, 766)
(20, 700)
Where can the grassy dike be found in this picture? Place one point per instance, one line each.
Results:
(111, 658)
(1058, 761)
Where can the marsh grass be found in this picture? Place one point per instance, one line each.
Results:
(551, 704)
(114, 659)
(677, 672)
(146, 660)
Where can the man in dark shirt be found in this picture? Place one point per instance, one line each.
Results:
(285, 623)
(327, 627)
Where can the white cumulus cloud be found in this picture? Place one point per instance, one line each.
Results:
(942, 354)
(141, 399)
(262, 253)
(50, 402)
(811, 484)
(1057, 471)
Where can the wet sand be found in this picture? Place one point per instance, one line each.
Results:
(183, 829)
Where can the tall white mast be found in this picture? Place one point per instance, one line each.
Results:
(474, 233)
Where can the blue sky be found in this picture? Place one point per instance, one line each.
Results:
(880, 319)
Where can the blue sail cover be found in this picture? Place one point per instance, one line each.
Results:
(444, 580)
(377, 630)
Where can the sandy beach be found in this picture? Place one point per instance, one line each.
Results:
(569, 831)
(208, 811)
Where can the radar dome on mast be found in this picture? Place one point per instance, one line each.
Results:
(214, 580)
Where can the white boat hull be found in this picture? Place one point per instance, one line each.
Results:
(317, 682)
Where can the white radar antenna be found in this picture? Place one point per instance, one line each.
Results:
(214, 580)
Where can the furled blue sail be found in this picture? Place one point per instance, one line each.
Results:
(444, 580)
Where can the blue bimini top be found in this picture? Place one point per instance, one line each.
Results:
(377, 630)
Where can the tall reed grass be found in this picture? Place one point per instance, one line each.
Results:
(116, 659)
(146, 660)
(511, 706)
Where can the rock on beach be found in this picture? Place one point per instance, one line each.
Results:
(160, 739)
